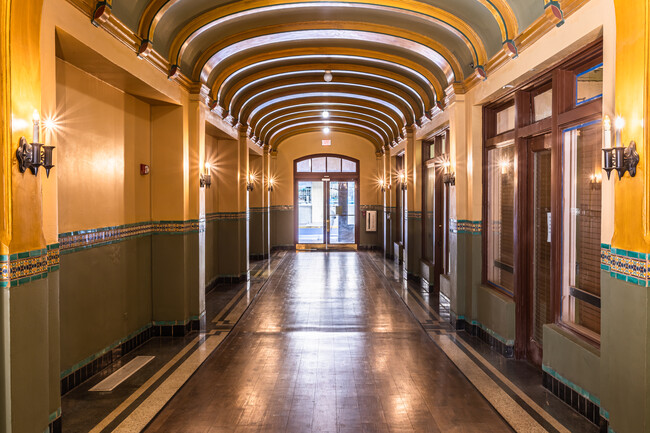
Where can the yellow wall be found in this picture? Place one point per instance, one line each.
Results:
(310, 143)
(104, 136)
(222, 195)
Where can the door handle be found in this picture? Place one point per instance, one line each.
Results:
(328, 226)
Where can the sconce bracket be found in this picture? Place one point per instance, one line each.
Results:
(449, 178)
(631, 159)
(23, 154)
(205, 180)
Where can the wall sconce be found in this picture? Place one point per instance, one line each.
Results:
(595, 180)
(448, 178)
(205, 179)
(271, 184)
(250, 179)
(618, 158)
(402, 180)
(383, 185)
(33, 155)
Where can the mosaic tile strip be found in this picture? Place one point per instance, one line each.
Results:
(415, 214)
(465, 226)
(215, 216)
(75, 241)
(28, 266)
(629, 266)
(282, 208)
(367, 207)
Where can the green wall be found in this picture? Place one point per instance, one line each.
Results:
(105, 294)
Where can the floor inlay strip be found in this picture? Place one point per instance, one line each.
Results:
(126, 371)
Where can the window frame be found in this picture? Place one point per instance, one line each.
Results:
(565, 112)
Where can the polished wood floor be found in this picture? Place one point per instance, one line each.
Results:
(327, 347)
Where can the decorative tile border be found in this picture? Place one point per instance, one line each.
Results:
(21, 268)
(414, 215)
(218, 216)
(465, 226)
(285, 208)
(75, 241)
(625, 265)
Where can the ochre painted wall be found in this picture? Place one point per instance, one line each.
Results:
(104, 136)
(343, 144)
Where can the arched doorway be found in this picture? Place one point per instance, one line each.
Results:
(326, 197)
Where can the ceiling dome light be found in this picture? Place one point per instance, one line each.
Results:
(328, 76)
(326, 114)
(326, 130)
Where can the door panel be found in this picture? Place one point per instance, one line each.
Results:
(539, 262)
(342, 217)
(311, 212)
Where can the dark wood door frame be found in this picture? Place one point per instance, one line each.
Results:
(565, 113)
(333, 177)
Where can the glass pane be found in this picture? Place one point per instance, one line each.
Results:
(589, 84)
(318, 165)
(582, 216)
(429, 233)
(349, 166)
(333, 164)
(304, 166)
(342, 212)
(541, 241)
(310, 213)
(501, 200)
(543, 105)
(506, 120)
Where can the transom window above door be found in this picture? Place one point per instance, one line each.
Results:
(326, 164)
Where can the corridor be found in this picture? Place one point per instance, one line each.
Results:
(327, 347)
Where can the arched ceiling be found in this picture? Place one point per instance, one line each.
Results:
(263, 60)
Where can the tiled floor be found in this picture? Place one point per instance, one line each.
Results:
(323, 342)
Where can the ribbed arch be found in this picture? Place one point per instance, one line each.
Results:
(286, 73)
(362, 87)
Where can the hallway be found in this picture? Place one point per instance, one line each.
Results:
(327, 347)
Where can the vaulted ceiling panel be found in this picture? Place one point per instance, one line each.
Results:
(263, 61)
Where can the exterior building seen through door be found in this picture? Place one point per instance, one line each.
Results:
(326, 212)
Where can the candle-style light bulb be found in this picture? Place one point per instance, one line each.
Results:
(37, 121)
(208, 166)
(607, 127)
(619, 124)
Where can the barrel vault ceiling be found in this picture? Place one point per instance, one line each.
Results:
(263, 61)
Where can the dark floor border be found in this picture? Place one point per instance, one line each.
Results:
(231, 279)
(93, 367)
(256, 257)
(370, 248)
(478, 332)
(579, 403)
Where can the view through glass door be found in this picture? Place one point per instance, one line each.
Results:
(327, 198)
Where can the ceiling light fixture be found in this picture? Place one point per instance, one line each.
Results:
(328, 76)
(326, 130)
(326, 114)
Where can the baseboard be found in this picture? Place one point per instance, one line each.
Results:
(477, 331)
(578, 402)
(257, 257)
(370, 248)
(56, 426)
(157, 329)
(98, 363)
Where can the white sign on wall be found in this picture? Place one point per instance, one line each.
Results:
(371, 221)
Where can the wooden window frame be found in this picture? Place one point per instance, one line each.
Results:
(561, 77)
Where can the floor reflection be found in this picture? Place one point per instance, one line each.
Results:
(328, 347)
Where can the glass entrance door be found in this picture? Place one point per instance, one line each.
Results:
(311, 212)
(342, 215)
(327, 212)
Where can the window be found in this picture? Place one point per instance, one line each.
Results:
(506, 119)
(589, 84)
(326, 164)
(500, 216)
(581, 217)
(543, 105)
